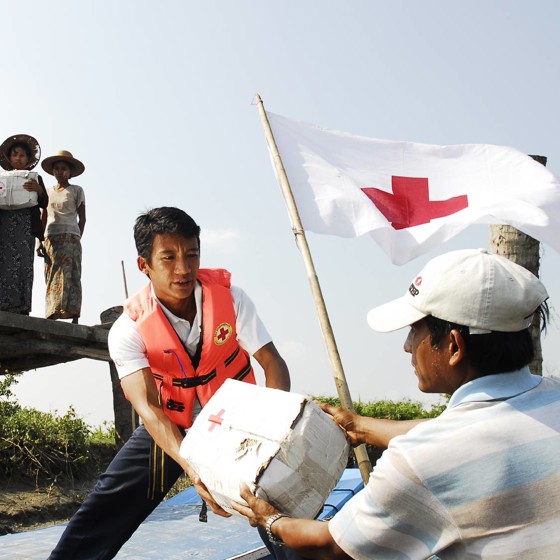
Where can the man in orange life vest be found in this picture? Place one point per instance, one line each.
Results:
(178, 340)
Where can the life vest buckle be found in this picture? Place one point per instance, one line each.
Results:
(176, 406)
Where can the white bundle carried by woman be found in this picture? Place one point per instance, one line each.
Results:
(12, 194)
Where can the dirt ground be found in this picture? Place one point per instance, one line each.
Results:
(25, 506)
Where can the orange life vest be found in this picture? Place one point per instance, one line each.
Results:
(219, 357)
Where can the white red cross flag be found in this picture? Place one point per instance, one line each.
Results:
(411, 197)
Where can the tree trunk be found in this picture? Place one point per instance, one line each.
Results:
(524, 250)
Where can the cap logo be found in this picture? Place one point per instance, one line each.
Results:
(414, 291)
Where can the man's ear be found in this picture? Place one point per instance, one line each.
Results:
(142, 264)
(457, 347)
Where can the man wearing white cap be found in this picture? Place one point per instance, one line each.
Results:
(483, 479)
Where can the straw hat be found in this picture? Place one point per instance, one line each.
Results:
(6, 148)
(76, 165)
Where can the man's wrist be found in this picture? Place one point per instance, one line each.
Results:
(268, 527)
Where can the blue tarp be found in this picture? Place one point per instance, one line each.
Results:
(173, 531)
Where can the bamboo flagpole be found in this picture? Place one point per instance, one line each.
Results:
(326, 328)
(124, 280)
(133, 416)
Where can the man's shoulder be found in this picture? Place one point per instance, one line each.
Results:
(122, 328)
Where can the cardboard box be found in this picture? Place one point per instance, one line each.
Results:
(12, 194)
(281, 444)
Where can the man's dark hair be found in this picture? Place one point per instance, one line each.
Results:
(165, 219)
(25, 147)
(495, 352)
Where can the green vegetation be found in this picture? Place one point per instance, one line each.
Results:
(401, 410)
(390, 410)
(44, 446)
(51, 447)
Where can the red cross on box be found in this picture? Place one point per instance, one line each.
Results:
(215, 419)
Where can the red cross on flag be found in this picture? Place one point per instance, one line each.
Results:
(411, 197)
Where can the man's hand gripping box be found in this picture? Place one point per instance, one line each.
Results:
(281, 444)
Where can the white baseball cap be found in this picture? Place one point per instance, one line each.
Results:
(470, 287)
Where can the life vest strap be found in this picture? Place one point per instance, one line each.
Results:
(157, 478)
(190, 382)
(243, 373)
(174, 405)
(232, 357)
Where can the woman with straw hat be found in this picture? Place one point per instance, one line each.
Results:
(64, 219)
(20, 226)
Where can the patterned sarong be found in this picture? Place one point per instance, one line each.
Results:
(16, 260)
(63, 274)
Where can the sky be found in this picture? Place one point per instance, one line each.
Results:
(157, 100)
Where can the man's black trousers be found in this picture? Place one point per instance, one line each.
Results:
(117, 505)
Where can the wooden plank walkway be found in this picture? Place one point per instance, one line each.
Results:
(32, 342)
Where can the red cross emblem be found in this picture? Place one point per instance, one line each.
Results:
(409, 204)
(222, 333)
(215, 419)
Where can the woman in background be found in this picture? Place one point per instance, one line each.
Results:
(19, 227)
(65, 219)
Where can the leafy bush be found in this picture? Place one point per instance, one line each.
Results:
(104, 434)
(40, 445)
(34, 443)
(401, 410)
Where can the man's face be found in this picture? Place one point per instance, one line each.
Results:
(173, 268)
(431, 365)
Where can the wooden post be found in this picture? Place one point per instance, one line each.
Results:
(524, 250)
(126, 419)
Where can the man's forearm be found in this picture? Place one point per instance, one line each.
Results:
(275, 369)
(379, 431)
(309, 538)
(165, 433)
(277, 376)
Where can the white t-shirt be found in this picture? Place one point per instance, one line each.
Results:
(62, 211)
(128, 350)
